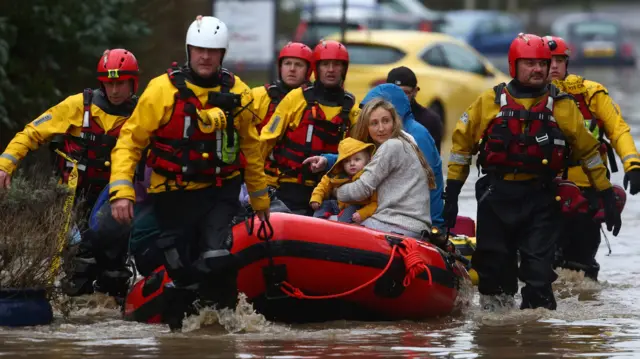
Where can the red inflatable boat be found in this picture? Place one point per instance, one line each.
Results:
(303, 269)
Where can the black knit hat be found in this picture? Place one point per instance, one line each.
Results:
(402, 76)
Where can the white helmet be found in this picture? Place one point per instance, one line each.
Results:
(208, 32)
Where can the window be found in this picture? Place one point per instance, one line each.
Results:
(459, 24)
(462, 59)
(595, 29)
(362, 54)
(394, 6)
(435, 57)
(488, 28)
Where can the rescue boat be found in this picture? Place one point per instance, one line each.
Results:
(303, 269)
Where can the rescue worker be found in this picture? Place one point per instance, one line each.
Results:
(526, 129)
(309, 122)
(602, 118)
(85, 128)
(294, 70)
(196, 122)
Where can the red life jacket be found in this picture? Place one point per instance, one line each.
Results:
(593, 122)
(524, 141)
(276, 94)
(314, 135)
(180, 151)
(92, 149)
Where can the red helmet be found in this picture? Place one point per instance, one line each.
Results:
(558, 46)
(527, 46)
(330, 50)
(299, 51)
(118, 64)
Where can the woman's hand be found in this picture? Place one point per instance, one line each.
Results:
(315, 206)
(316, 163)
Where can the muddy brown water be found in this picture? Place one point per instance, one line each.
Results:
(593, 320)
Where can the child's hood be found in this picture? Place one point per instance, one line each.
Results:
(348, 147)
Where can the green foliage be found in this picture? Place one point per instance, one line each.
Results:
(49, 50)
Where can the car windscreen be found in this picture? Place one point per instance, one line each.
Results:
(458, 24)
(596, 30)
(318, 30)
(366, 54)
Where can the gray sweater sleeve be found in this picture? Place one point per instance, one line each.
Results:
(376, 171)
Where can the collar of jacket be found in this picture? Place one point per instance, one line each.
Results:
(328, 96)
(518, 90)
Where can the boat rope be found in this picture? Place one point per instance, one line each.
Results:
(265, 233)
(413, 262)
(67, 211)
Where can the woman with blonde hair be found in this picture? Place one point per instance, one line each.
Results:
(398, 172)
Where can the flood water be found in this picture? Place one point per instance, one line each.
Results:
(593, 320)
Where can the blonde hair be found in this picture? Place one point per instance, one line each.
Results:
(360, 132)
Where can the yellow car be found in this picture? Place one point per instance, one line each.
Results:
(451, 74)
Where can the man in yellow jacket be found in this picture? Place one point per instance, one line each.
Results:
(199, 131)
(522, 132)
(294, 70)
(295, 64)
(85, 127)
(308, 122)
(602, 117)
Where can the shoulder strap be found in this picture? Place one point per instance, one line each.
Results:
(227, 80)
(307, 92)
(498, 89)
(178, 80)
(274, 92)
(347, 104)
(87, 100)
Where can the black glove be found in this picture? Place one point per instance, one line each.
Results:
(611, 213)
(632, 177)
(450, 211)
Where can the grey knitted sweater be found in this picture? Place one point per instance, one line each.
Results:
(401, 182)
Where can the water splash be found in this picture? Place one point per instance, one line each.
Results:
(244, 319)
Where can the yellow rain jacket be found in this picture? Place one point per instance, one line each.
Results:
(471, 126)
(336, 177)
(67, 116)
(154, 110)
(261, 101)
(597, 105)
(287, 117)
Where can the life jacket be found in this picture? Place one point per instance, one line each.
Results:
(596, 128)
(313, 136)
(180, 151)
(276, 94)
(92, 149)
(524, 141)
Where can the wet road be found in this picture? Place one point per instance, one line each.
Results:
(593, 319)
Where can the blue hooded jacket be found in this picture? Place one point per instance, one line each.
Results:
(427, 145)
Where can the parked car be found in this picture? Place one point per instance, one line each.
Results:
(450, 73)
(407, 7)
(489, 32)
(595, 39)
(326, 21)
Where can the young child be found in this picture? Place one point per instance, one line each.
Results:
(353, 156)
